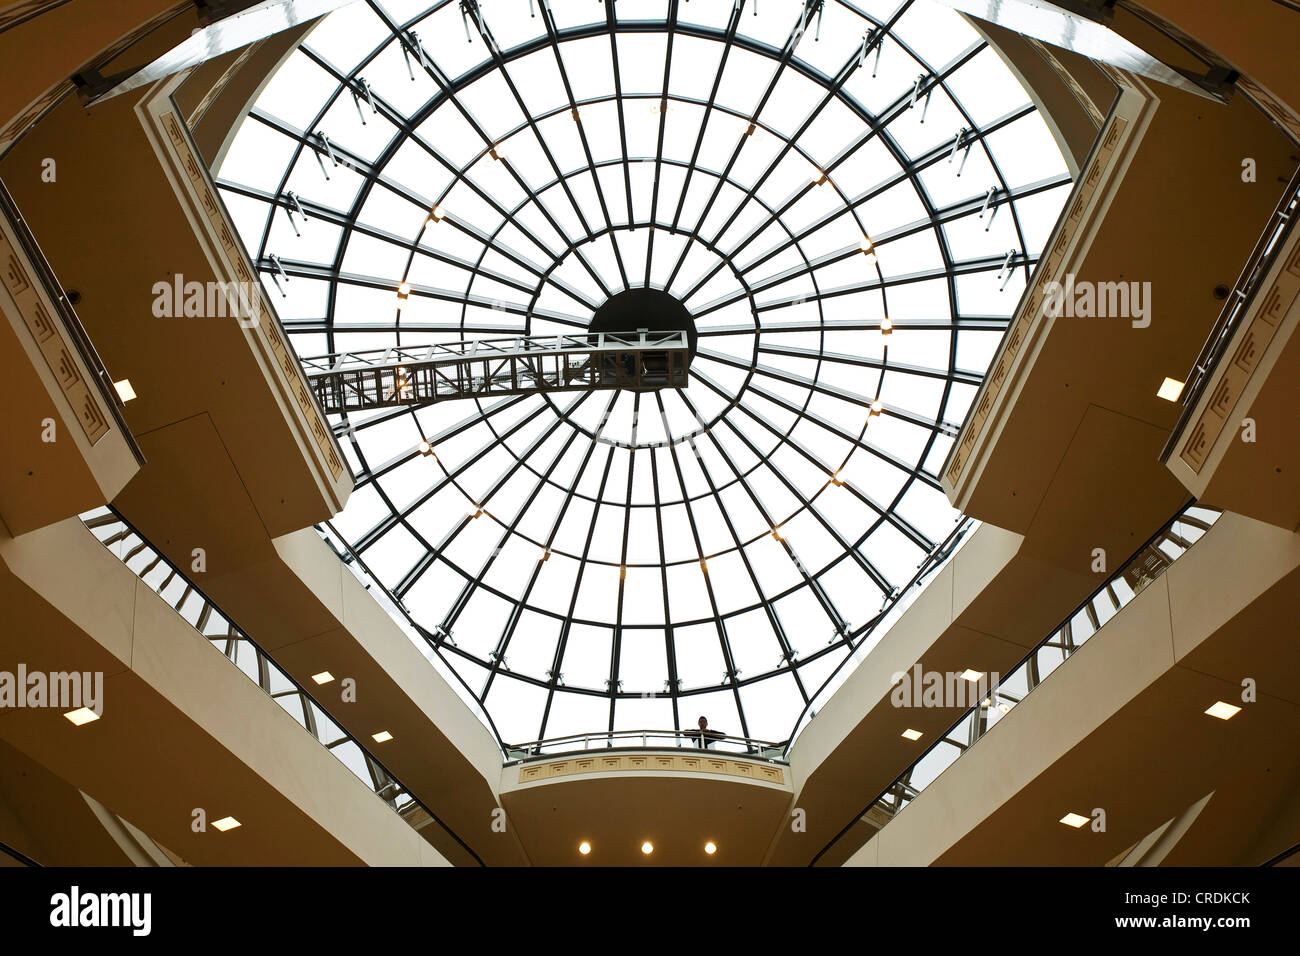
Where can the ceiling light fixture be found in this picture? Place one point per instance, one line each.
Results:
(1170, 390)
(710, 848)
(647, 847)
(972, 675)
(911, 734)
(877, 407)
(124, 390)
(382, 737)
(226, 823)
(1223, 710)
(324, 677)
(584, 847)
(1074, 820)
(886, 326)
(82, 715)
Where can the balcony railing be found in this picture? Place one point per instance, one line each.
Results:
(1155, 557)
(1239, 301)
(711, 742)
(68, 320)
(181, 594)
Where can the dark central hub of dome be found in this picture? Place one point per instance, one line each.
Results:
(649, 309)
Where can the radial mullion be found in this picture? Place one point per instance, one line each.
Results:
(728, 39)
(368, 475)
(557, 660)
(784, 403)
(824, 599)
(399, 516)
(671, 29)
(963, 377)
(884, 514)
(778, 628)
(617, 651)
(405, 126)
(552, 33)
(831, 92)
(670, 633)
(877, 126)
(449, 89)
(611, 19)
(862, 561)
(735, 156)
(724, 642)
(503, 644)
(458, 605)
(612, 689)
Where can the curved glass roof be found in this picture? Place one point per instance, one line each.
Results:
(793, 174)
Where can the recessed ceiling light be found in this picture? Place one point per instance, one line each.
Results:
(710, 848)
(911, 734)
(647, 847)
(404, 290)
(82, 715)
(584, 847)
(1223, 710)
(226, 823)
(324, 677)
(886, 326)
(972, 676)
(382, 737)
(1074, 820)
(1170, 389)
(124, 390)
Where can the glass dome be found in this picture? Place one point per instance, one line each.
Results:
(843, 200)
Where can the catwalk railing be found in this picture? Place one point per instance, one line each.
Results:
(422, 375)
(1147, 564)
(183, 596)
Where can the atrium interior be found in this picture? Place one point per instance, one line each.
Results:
(791, 433)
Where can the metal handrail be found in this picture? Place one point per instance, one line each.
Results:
(1260, 261)
(17, 855)
(382, 782)
(397, 611)
(933, 561)
(770, 751)
(1140, 567)
(71, 323)
(476, 349)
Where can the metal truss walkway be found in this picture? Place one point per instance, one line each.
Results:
(394, 377)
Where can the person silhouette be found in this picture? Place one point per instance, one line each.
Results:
(704, 735)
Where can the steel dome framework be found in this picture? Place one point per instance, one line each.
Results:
(827, 204)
